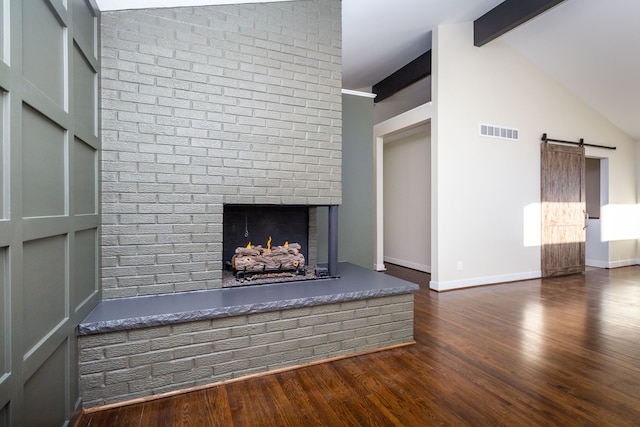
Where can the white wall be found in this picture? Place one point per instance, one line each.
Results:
(596, 251)
(485, 188)
(638, 194)
(407, 198)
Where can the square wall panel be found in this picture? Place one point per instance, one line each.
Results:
(84, 91)
(4, 36)
(85, 278)
(84, 26)
(4, 416)
(44, 275)
(43, 165)
(43, 42)
(5, 166)
(5, 339)
(86, 178)
(45, 393)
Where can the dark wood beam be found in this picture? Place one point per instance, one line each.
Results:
(415, 70)
(506, 16)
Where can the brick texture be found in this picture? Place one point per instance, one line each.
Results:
(203, 106)
(120, 366)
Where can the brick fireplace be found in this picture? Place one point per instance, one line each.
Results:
(205, 109)
(208, 107)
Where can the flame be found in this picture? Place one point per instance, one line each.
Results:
(249, 245)
(269, 244)
(286, 244)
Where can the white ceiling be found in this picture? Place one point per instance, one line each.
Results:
(592, 47)
(380, 36)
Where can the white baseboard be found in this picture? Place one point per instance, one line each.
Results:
(596, 263)
(379, 267)
(479, 281)
(408, 264)
(622, 263)
(490, 280)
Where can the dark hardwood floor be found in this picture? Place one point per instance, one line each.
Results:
(557, 352)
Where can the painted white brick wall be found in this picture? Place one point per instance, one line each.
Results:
(205, 106)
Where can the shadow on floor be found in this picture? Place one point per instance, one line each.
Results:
(410, 275)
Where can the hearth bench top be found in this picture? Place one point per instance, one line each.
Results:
(354, 283)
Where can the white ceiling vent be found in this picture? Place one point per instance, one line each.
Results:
(493, 131)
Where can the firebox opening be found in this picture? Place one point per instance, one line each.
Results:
(255, 227)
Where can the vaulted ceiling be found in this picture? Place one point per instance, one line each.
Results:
(592, 47)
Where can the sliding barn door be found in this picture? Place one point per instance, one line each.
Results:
(563, 209)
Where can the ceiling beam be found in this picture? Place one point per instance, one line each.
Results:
(415, 70)
(506, 16)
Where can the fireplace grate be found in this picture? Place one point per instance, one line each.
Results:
(247, 275)
(232, 277)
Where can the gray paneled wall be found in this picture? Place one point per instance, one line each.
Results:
(49, 214)
(205, 106)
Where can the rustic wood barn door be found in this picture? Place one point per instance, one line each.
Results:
(563, 209)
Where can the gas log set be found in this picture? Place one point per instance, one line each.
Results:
(250, 260)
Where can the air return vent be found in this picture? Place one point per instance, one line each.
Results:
(493, 131)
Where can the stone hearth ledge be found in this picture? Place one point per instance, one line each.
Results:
(354, 283)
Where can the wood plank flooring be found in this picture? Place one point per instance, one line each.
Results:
(557, 352)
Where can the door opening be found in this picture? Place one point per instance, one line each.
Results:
(407, 120)
(407, 198)
(597, 195)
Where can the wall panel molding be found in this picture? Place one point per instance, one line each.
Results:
(48, 221)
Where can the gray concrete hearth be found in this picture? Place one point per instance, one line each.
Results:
(354, 283)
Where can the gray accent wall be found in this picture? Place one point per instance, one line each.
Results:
(204, 106)
(356, 224)
(356, 215)
(49, 213)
